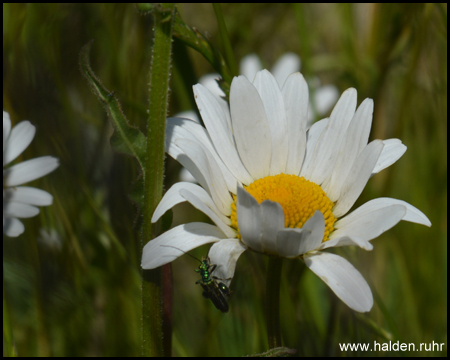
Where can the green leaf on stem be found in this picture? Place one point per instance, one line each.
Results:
(126, 139)
(199, 42)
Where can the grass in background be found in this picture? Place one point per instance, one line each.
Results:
(77, 293)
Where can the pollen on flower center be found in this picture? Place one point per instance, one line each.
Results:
(298, 197)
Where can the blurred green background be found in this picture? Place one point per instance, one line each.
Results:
(72, 280)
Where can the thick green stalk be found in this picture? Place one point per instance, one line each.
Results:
(152, 327)
(225, 40)
(273, 301)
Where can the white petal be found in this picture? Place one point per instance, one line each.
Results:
(286, 65)
(186, 176)
(225, 254)
(392, 151)
(354, 142)
(188, 114)
(29, 170)
(328, 144)
(312, 136)
(295, 95)
(273, 102)
(28, 195)
(210, 82)
(208, 167)
(185, 129)
(341, 276)
(185, 237)
(412, 214)
(222, 224)
(325, 97)
(249, 219)
(173, 197)
(366, 224)
(250, 65)
(19, 210)
(216, 123)
(288, 241)
(12, 227)
(357, 178)
(6, 129)
(251, 127)
(293, 242)
(272, 222)
(316, 227)
(346, 241)
(20, 137)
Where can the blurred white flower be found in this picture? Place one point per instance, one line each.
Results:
(50, 239)
(273, 186)
(21, 201)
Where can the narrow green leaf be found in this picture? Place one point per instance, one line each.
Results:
(126, 139)
(225, 40)
(199, 42)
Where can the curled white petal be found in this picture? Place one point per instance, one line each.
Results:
(295, 242)
(392, 151)
(315, 225)
(178, 128)
(221, 221)
(342, 277)
(225, 254)
(210, 171)
(166, 247)
(173, 197)
(371, 224)
(249, 219)
(412, 214)
(288, 241)
(272, 222)
(346, 240)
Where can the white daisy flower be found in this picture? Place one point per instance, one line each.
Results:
(21, 201)
(323, 99)
(274, 187)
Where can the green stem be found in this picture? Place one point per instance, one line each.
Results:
(225, 40)
(152, 320)
(8, 338)
(273, 301)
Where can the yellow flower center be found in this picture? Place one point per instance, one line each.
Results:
(298, 197)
